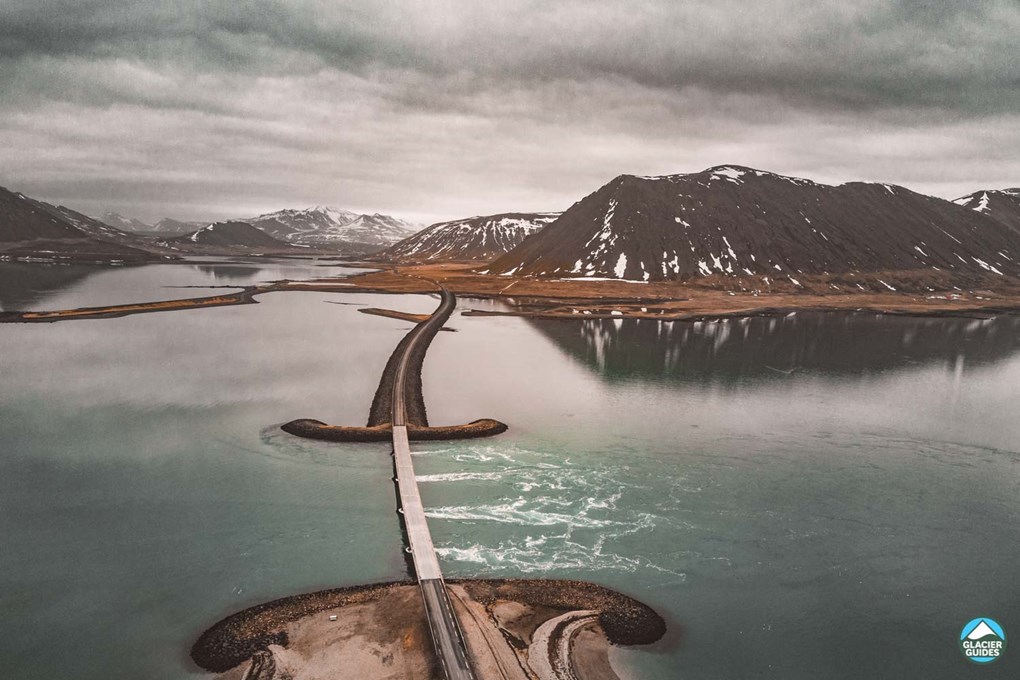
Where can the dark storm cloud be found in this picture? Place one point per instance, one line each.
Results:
(513, 104)
(863, 54)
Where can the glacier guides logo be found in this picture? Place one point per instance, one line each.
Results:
(982, 640)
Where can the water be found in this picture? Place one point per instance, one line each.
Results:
(819, 496)
(47, 287)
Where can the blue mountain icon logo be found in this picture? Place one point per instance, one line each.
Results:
(982, 640)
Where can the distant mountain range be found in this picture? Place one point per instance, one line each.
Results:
(732, 221)
(30, 228)
(118, 221)
(164, 226)
(172, 226)
(323, 225)
(317, 226)
(724, 223)
(478, 239)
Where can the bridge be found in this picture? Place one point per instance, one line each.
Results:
(447, 636)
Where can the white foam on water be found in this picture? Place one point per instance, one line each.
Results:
(524, 512)
(547, 513)
(459, 477)
(544, 554)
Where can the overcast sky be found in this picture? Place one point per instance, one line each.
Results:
(435, 109)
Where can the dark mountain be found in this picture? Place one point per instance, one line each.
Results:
(323, 225)
(171, 226)
(479, 239)
(118, 221)
(733, 221)
(31, 228)
(228, 235)
(1002, 205)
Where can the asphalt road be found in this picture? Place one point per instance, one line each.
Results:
(447, 637)
(421, 331)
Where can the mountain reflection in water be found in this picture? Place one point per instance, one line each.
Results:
(730, 350)
(227, 272)
(22, 284)
(32, 286)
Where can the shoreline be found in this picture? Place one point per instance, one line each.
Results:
(585, 299)
(712, 298)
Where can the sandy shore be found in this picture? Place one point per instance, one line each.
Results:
(515, 630)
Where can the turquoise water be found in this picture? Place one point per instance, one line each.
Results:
(818, 496)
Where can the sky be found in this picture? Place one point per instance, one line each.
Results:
(440, 109)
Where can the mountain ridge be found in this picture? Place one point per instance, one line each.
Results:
(128, 224)
(734, 221)
(480, 238)
(168, 225)
(1001, 205)
(30, 228)
(228, 234)
(325, 225)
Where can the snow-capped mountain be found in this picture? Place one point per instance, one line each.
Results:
(1002, 205)
(32, 228)
(735, 221)
(479, 239)
(324, 225)
(171, 226)
(118, 221)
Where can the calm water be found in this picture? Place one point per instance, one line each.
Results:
(818, 496)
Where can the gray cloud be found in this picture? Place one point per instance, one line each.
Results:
(443, 108)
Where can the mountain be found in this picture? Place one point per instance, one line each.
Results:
(731, 221)
(31, 228)
(118, 221)
(171, 226)
(980, 631)
(324, 225)
(232, 234)
(479, 239)
(1002, 205)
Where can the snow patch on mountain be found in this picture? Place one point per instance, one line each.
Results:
(328, 225)
(481, 238)
(732, 221)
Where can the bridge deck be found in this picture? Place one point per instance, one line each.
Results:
(447, 637)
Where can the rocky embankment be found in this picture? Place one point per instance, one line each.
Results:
(316, 429)
(379, 630)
